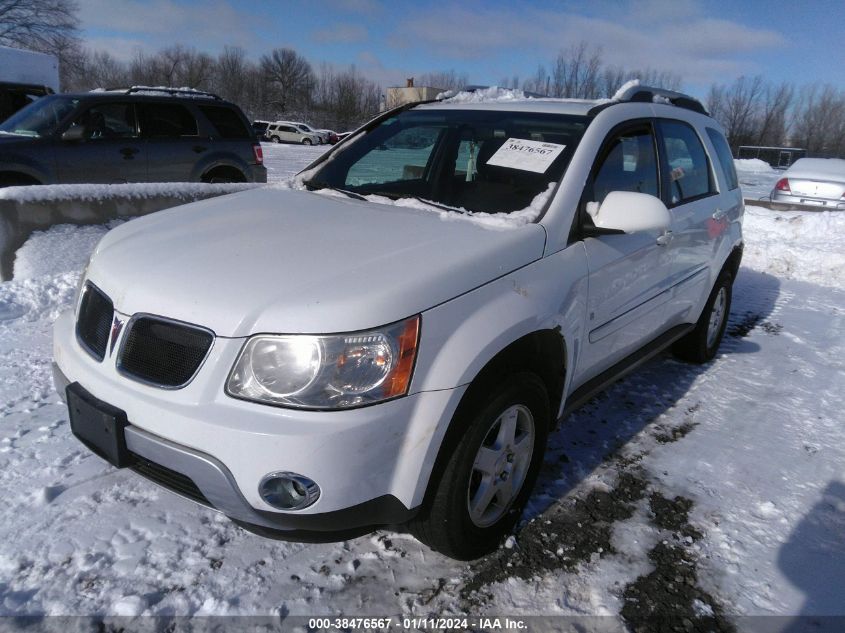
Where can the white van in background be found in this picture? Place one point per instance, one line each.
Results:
(24, 77)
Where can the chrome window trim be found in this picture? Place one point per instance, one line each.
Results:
(155, 317)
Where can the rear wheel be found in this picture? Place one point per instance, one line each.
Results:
(479, 495)
(701, 345)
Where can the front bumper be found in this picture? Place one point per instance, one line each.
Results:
(372, 464)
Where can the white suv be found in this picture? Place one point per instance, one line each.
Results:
(393, 345)
(286, 132)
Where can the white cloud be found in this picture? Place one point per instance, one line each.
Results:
(667, 36)
(345, 32)
(156, 23)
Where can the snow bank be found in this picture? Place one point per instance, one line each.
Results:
(753, 166)
(63, 248)
(53, 193)
(808, 246)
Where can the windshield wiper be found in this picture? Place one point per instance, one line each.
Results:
(439, 205)
(319, 186)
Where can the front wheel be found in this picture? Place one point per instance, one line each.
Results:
(479, 495)
(306, 141)
(701, 345)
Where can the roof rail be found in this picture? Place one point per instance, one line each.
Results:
(648, 94)
(188, 92)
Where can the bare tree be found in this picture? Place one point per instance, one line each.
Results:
(576, 72)
(98, 69)
(772, 123)
(444, 79)
(291, 77)
(819, 124)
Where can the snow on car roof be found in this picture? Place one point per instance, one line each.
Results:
(818, 168)
(495, 98)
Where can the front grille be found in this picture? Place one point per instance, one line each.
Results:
(93, 323)
(170, 479)
(163, 353)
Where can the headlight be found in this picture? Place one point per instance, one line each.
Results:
(327, 372)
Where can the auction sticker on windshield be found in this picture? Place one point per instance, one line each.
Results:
(519, 153)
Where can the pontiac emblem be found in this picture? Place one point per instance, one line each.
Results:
(116, 327)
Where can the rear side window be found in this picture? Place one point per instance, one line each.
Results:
(167, 120)
(726, 160)
(689, 170)
(226, 121)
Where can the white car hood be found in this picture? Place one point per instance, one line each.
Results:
(287, 261)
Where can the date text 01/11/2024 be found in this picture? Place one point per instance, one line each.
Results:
(415, 624)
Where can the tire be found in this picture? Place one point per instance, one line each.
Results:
(306, 141)
(468, 508)
(219, 176)
(701, 345)
(275, 139)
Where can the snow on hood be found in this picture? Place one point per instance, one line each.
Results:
(271, 260)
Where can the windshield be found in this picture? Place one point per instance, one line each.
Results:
(477, 160)
(40, 118)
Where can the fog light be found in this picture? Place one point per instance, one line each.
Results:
(288, 491)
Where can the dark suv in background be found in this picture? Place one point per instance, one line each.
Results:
(134, 135)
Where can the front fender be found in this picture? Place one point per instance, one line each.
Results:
(461, 336)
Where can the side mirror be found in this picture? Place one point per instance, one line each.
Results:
(629, 212)
(75, 132)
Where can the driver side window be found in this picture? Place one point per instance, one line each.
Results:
(108, 120)
(628, 163)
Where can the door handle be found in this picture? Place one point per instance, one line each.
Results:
(129, 152)
(664, 239)
(718, 214)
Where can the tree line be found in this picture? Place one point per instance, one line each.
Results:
(282, 84)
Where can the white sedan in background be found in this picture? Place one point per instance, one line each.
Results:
(813, 181)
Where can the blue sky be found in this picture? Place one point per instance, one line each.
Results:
(389, 40)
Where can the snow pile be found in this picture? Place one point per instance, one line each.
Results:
(53, 193)
(753, 166)
(493, 93)
(64, 248)
(809, 246)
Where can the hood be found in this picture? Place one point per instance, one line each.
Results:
(270, 260)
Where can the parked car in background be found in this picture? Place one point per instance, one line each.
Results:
(260, 129)
(24, 77)
(813, 181)
(322, 135)
(134, 135)
(324, 363)
(331, 136)
(287, 132)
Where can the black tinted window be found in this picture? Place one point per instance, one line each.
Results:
(689, 169)
(226, 121)
(108, 120)
(726, 159)
(167, 120)
(629, 163)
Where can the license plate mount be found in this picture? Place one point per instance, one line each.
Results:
(98, 425)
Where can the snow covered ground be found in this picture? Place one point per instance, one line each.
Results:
(695, 492)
